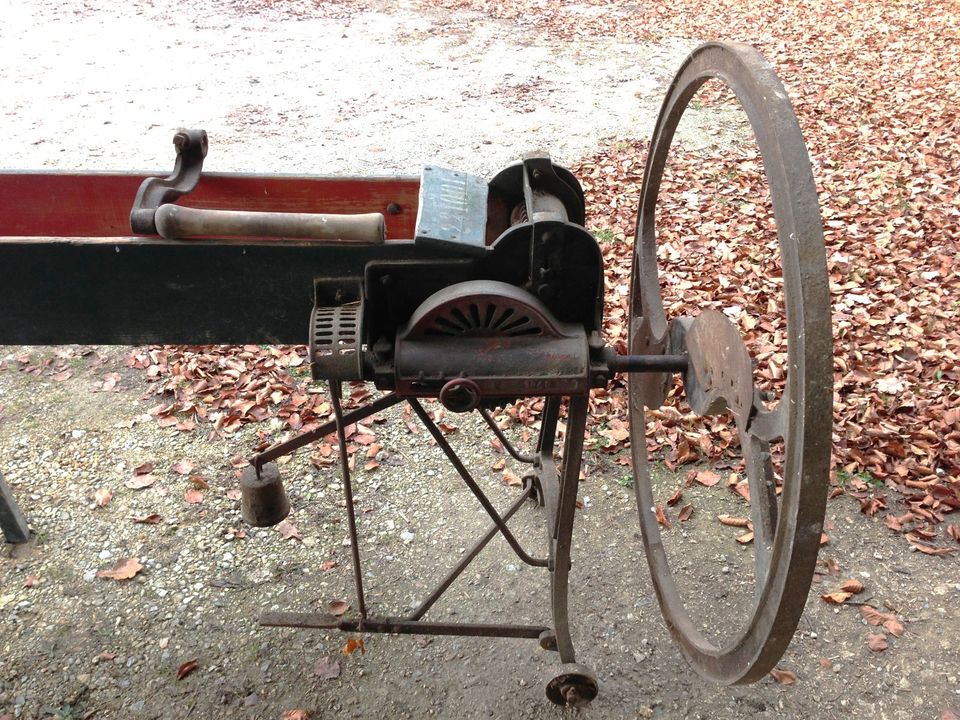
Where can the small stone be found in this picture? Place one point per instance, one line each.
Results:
(725, 570)
(89, 575)
(105, 555)
(407, 536)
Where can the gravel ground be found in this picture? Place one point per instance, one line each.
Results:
(104, 89)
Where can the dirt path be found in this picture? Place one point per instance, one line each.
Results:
(359, 92)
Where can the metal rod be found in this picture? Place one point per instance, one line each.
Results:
(471, 483)
(467, 559)
(348, 496)
(548, 426)
(514, 453)
(175, 222)
(288, 446)
(547, 467)
(566, 512)
(645, 363)
(398, 625)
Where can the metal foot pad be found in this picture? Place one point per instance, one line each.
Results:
(572, 685)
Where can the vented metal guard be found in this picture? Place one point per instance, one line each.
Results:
(336, 342)
(491, 340)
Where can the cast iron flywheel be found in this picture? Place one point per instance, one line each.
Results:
(720, 377)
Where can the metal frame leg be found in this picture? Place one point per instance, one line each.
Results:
(562, 527)
(12, 521)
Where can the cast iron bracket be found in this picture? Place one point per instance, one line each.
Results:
(191, 148)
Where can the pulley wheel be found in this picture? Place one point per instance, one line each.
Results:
(786, 520)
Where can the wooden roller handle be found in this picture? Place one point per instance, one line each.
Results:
(177, 222)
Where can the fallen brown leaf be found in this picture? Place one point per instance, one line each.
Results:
(733, 521)
(707, 478)
(893, 626)
(662, 517)
(511, 478)
(784, 677)
(139, 482)
(852, 586)
(186, 668)
(151, 519)
(102, 496)
(338, 607)
(836, 598)
(295, 715)
(122, 570)
(288, 531)
(327, 668)
(877, 642)
(353, 645)
(193, 496)
(184, 467)
(685, 512)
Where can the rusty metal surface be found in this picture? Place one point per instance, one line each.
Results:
(336, 342)
(572, 685)
(175, 222)
(263, 500)
(498, 336)
(191, 146)
(401, 626)
(295, 443)
(804, 414)
(12, 521)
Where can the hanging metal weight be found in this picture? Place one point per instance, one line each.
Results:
(263, 500)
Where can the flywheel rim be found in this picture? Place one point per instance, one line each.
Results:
(792, 559)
